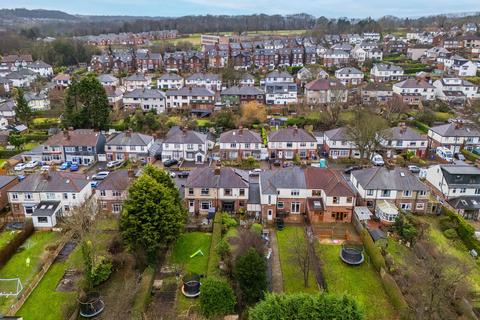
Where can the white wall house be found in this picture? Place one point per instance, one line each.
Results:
(145, 99)
(448, 89)
(415, 87)
(184, 144)
(454, 136)
(170, 81)
(455, 180)
(41, 68)
(349, 76)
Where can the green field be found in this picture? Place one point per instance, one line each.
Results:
(45, 300)
(18, 266)
(7, 235)
(292, 274)
(362, 283)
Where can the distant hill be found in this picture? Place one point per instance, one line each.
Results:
(42, 14)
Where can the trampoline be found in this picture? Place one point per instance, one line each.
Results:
(352, 255)
(92, 306)
(191, 285)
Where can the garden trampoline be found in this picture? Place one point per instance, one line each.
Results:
(92, 306)
(352, 255)
(191, 285)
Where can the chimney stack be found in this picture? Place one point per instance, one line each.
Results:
(240, 130)
(217, 170)
(295, 129)
(128, 133)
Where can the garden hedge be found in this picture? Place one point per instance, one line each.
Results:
(393, 292)
(11, 248)
(470, 155)
(372, 250)
(214, 258)
(465, 231)
(421, 126)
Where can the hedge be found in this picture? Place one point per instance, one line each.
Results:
(470, 155)
(11, 248)
(465, 231)
(421, 126)
(5, 154)
(394, 292)
(214, 259)
(372, 250)
(142, 297)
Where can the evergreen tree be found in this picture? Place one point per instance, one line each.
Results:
(250, 273)
(22, 111)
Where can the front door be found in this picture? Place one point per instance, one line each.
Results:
(339, 216)
(191, 206)
(269, 215)
(199, 158)
(228, 206)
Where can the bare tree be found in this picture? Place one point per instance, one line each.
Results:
(393, 109)
(300, 254)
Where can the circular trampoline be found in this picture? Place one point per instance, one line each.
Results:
(191, 285)
(352, 255)
(92, 306)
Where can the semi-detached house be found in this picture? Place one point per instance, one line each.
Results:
(240, 144)
(454, 136)
(129, 145)
(289, 142)
(146, 99)
(185, 144)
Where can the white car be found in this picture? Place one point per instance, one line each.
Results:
(173, 174)
(377, 160)
(20, 167)
(31, 164)
(100, 175)
(45, 168)
(113, 164)
(255, 172)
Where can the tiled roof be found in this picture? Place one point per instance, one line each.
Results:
(227, 177)
(55, 182)
(129, 139)
(118, 180)
(328, 180)
(380, 178)
(72, 138)
(291, 135)
(240, 136)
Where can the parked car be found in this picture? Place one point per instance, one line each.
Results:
(287, 164)
(476, 151)
(183, 174)
(255, 172)
(445, 153)
(172, 174)
(277, 163)
(414, 169)
(100, 175)
(31, 164)
(377, 160)
(20, 166)
(45, 168)
(459, 156)
(65, 165)
(115, 163)
(170, 162)
(94, 184)
(74, 166)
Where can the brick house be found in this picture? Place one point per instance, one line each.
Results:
(113, 190)
(286, 143)
(128, 145)
(224, 189)
(6, 183)
(402, 139)
(240, 144)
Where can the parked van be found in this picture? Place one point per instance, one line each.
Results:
(445, 154)
(377, 160)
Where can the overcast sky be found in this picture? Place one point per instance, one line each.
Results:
(328, 8)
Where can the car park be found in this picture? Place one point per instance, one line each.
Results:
(183, 174)
(74, 166)
(115, 163)
(65, 165)
(414, 169)
(170, 162)
(100, 175)
(20, 167)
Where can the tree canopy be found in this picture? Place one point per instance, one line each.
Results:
(250, 273)
(217, 298)
(153, 215)
(86, 104)
(305, 306)
(23, 112)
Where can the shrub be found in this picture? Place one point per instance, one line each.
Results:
(393, 292)
(223, 249)
(257, 228)
(298, 306)
(142, 296)
(229, 221)
(469, 155)
(373, 251)
(464, 230)
(101, 271)
(250, 273)
(421, 126)
(450, 233)
(217, 298)
(447, 223)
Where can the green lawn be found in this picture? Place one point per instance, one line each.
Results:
(292, 274)
(6, 236)
(186, 245)
(45, 300)
(361, 283)
(17, 267)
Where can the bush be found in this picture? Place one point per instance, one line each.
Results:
(470, 155)
(217, 298)
(394, 292)
(450, 234)
(447, 223)
(223, 249)
(464, 230)
(421, 126)
(101, 271)
(250, 273)
(373, 251)
(298, 306)
(229, 221)
(257, 228)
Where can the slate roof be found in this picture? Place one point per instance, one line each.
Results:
(170, 76)
(465, 203)
(39, 64)
(414, 84)
(191, 91)
(204, 77)
(228, 177)
(278, 74)
(348, 70)
(454, 130)
(287, 178)
(46, 208)
(136, 77)
(387, 67)
(145, 93)
(291, 134)
(130, 139)
(240, 136)
(243, 91)
(254, 193)
(328, 180)
(380, 178)
(107, 78)
(5, 180)
(338, 134)
(324, 84)
(56, 182)
(118, 180)
(8, 105)
(397, 133)
(179, 136)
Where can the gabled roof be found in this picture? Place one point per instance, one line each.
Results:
(39, 64)
(56, 181)
(387, 67)
(240, 136)
(291, 134)
(278, 74)
(406, 134)
(247, 91)
(338, 134)
(455, 130)
(348, 70)
(129, 139)
(225, 177)
(380, 178)
(145, 93)
(191, 91)
(136, 77)
(177, 135)
(324, 84)
(107, 78)
(414, 84)
(118, 180)
(5, 180)
(170, 76)
(328, 180)
(286, 178)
